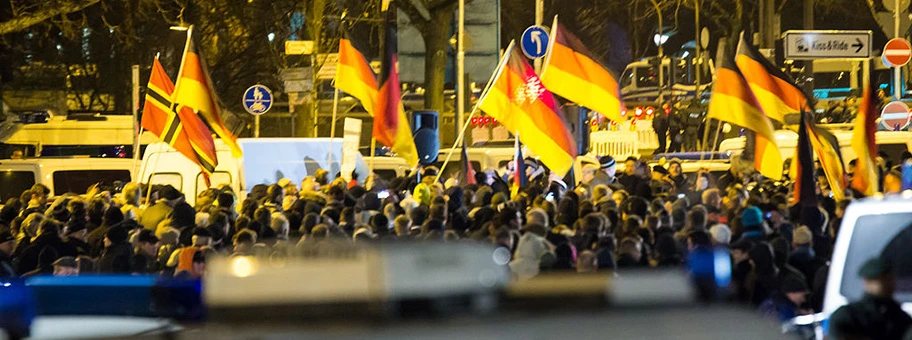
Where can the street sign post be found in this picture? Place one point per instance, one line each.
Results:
(257, 101)
(895, 116)
(534, 42)
(897, 52)
(809, 45)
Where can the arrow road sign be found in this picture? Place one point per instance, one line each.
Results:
(807, 45)
(534, 42)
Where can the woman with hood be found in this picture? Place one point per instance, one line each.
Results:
(532, 246)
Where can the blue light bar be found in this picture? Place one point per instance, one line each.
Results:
(140, 296)
(17, 309)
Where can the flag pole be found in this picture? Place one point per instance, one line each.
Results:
(137, 128)
(332, 126)
(474, 110)
(180, 71)
(373, 154)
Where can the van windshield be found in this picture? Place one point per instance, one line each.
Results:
(78, 181)
(13, 183)
(884, 236)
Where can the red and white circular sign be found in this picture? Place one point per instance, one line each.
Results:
(897, 52)
(895, 116)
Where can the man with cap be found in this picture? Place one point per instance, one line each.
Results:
(877, 315)
(118, 254)
(786, 304)
(146, 250)
(66, 266)
(660, 181)
(606, 173)
(7, 242)
(168, 196)
(803, 256)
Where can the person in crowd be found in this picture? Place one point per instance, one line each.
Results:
(117, 256)
(145, 259)
(196, 268)
(66, 266)
(48, 238)
(7, 241)
(786, 303)
(660, 126)
(877, 315)
(721, 235)
(243, 242)
(182, 259)
(168, 196)
(95, 239)
(677, 177)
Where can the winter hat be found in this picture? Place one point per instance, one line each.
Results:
(168, 192)
(794, 285)
(147, 236)
(660, 169)
(66, 261)
(874, 268)
(5, 236)
(720, 233)
(802, 236)
(752, 217)
(117, 234)
(606, 162)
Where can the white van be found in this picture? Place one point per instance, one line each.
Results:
(63, 174)
(892, 143)
(265, 161)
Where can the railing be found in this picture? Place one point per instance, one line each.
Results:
(618, 144)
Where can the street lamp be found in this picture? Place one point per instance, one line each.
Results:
(660, 39)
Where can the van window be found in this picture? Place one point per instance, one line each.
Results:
(454, 167)
(168, 178)
(893, 152)
(387, 174)
(78, 181)
(217, 178)
(888, 236)
(13, 183)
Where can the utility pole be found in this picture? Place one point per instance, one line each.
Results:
(460, 67)
(661, 55)
(319, 6)
(698, 50)
(809, 25)
(539, 18)
(897, 71)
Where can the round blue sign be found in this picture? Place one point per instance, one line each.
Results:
(534, 42)
(257, 99)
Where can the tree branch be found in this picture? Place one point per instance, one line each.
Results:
(25, 21)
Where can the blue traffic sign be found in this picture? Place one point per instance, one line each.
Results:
(534, 42)
(257, 99)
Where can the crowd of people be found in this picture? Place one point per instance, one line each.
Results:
(646, 217)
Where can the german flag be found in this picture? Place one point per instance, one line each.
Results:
(517, 98)
(802, 171)
(572, 72)
(732, 101)
(391, 127)
(354, 75)
(826, 146)
(467, 169)
(194, 89)
(774, 90)
(176, 124)
(865, 180)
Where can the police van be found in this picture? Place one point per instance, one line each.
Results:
(891, 143)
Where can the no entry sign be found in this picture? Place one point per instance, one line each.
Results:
(895, 116)
(897, 52)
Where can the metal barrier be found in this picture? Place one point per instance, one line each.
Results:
(619, 144)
